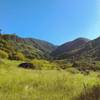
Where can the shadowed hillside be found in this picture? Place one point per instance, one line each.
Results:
(69, 49)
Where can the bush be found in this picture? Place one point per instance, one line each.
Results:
(83, 66)
(63, 64)
(43, 64)
(3, 54)
(17, 56)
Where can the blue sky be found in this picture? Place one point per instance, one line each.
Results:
(56, 21)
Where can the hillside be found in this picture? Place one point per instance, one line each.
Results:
(68, 49)
(30, 47)
(91, 50)
(34, 48)
(44, 79)
(80, 48)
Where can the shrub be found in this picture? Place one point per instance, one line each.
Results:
(83, 66)
(3, 54)
(17, 56)
(43, 64)
(63, 64)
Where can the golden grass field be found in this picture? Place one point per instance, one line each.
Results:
(22, 84)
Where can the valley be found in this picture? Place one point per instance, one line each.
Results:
(32, 69)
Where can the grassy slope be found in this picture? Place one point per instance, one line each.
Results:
(20, 84)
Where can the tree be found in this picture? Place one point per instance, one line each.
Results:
(0, 31)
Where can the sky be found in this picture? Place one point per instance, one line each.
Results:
(56, 21)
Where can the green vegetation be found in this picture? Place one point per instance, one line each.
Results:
(84, 65)
(29, 70)
(63, 64)
(17, 56)
(44, 64)
(26, 84)
(70, 49)
(30, 48)
(3, 54)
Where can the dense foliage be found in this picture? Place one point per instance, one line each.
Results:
(17, 56)
(44, 64)
(3, 54)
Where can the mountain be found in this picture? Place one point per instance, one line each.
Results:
(35, 48)
(69, 49)
(91, 49)
(30, 47)
(77, 49)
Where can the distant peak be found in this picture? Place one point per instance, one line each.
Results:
(82, 39)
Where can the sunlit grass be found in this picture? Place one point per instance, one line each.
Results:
(22, 84)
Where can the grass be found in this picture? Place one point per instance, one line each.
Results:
(22, 84)
(92, 93)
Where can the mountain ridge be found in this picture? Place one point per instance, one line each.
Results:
(69, 46)
(27, 46)
(36, 48)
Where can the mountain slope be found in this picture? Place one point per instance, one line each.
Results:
(91, 49)
(34, 48)
(80, 48)
(31, 48)
(70, 48)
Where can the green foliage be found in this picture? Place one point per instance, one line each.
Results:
(3, 54)
(31, 48)
(97, 65)
(17, 56)
(84, 65)
(63, 64)
(43, 64)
